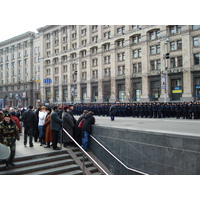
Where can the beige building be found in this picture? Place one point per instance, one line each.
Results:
(108, 63)
(16, 70)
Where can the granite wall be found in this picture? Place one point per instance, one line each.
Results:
(150, 152)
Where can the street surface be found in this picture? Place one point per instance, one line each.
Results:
(188, 127)
(165, 125)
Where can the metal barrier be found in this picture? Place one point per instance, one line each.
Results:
(84, 152)
(128, 168)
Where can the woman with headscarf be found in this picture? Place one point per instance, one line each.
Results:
(68, 125)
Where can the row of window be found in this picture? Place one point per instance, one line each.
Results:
(14, 47)
(174, 45)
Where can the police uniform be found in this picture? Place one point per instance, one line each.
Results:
(9, 132)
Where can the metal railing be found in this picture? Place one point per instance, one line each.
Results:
(128, 168)
(84, 152)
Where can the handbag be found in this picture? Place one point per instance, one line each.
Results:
(4, 152)
(81, 123)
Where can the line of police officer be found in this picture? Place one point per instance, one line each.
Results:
(185, 110)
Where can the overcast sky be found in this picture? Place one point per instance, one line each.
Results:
(18, 17)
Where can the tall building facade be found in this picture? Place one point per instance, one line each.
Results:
(16, 70)
(108, 63)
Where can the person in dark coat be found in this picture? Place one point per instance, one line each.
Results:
(87, 128)
(71, 112)
(55, 124)
(68, 125)
(78, 129)
(113, 111)
(30, 123)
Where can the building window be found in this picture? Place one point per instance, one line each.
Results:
(74, 45)
(65, 68)
(172, 46)
(107, 35)
(121, 56)
(174, 29)
(95, 74)
(158, 64)
(107, 72)
(121, 70)
(26, 61)
(136, 39)
(195, 41)
(154, 34)
(94, 50)
(106, 59)
(152, 65)
(56, 70)
(84, 75)
(157, 49)
(152, 50)
(94, 28)
(106, 47)
(179, 61)
(83, 53)
(121, 30)
(196, 59)
(83, 32)
(195, 27)
(139, 53)
(120, 43)
(56, 80)
(139, 67)
(179, 44)
(48, 45)
(73, 55)
(84, 42)
(94, 62)
(84, 64)
(94, 39)
(48, 72)
(172, 63)
(73, 36)
(65, 79)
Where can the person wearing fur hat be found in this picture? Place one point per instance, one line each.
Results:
(9, 133)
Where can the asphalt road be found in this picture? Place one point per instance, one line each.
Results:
(189, 127)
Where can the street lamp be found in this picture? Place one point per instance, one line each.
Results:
(164, 74)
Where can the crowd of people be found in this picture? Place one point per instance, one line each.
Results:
(44, 125)
(185, 110)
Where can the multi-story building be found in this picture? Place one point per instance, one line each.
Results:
(17, 84)
(101, 63)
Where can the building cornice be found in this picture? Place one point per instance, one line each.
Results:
(17, 38)
(47, 28)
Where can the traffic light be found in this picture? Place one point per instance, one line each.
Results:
(167, 56)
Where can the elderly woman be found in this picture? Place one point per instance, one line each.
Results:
(48, 131)
(68, 125)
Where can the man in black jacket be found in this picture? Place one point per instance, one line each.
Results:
(30, 123)
(87, 128)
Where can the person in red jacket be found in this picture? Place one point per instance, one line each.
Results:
(16, 120)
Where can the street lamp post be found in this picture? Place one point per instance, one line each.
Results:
(164, 74)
